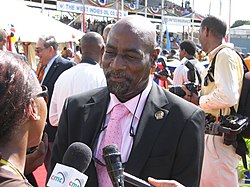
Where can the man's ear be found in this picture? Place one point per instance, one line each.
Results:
(102, 49)
(32, 110)
(206, 30)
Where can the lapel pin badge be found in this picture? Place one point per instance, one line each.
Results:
(159, 115)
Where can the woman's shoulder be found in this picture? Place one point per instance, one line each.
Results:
(10, 179)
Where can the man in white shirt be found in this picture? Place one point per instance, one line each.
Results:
(84, 76)
(187, 52)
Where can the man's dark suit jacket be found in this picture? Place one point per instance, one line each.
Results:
(59, 65)
(168, 148)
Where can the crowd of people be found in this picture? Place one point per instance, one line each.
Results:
(109, 97)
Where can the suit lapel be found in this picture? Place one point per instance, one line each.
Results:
(94, 113)
(152, 120)
(51, 71)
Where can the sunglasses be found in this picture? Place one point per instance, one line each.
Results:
(39, 50)
(44, 93)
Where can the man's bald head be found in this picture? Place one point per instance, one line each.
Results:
(92, 46)
(140, 26)
(3, 38)
(106, 32)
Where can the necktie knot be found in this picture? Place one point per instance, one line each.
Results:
(118, 112)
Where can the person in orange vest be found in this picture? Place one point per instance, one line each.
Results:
(247, 60)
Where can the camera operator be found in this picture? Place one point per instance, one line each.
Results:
(188, 72)
(219, 91)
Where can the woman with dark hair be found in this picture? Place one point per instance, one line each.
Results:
(22, 117)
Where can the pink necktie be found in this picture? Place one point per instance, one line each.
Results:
(113, 135)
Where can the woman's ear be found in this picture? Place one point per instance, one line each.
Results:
(32, 111)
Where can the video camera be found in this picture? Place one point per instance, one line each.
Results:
(230, 125)
(191, 86)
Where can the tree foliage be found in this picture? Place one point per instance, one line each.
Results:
(240, 22)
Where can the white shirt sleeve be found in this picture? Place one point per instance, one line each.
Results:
(53, 112)
(55, 104)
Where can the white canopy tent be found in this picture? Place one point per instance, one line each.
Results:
(30, 24)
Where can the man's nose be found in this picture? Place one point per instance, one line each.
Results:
(118, 62)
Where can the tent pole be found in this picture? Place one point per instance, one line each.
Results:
(162, 21)
(83, 17)
(42, 10)
(122, 8)
(229, 23)
(193, 14)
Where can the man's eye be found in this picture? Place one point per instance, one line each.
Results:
(109, 52)
(130, 56)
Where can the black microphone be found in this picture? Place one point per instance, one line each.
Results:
(112, 158)
(78, 156)
(75, 161)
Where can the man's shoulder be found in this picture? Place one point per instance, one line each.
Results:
(64, 62)
(180, 67)
(227, 54)
(65, 75)
(223, 49)
(96, 94)
(198, 64)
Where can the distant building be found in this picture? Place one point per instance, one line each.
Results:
(240, 37)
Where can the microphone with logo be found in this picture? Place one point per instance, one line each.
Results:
(70, 173)
(112, 158)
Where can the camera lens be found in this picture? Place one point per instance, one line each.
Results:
(177, 90)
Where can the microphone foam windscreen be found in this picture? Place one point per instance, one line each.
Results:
(78, 156)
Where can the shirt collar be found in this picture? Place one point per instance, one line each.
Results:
(51, 62)
(215, 51)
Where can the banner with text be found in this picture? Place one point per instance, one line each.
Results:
(92, 10)
(172, 20)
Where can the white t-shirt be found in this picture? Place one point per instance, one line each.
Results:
(180, 72)
(78, 79)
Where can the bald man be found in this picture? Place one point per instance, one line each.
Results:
(84, 76)
(3, 39)
(159, 134)
(106, 32)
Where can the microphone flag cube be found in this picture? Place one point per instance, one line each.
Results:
(65, 176)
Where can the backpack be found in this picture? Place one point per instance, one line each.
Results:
(243, 107)
(244, 103)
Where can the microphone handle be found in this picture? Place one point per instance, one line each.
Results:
(135, 181)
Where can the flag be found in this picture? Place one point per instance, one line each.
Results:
(168, 44)
(137, 4)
